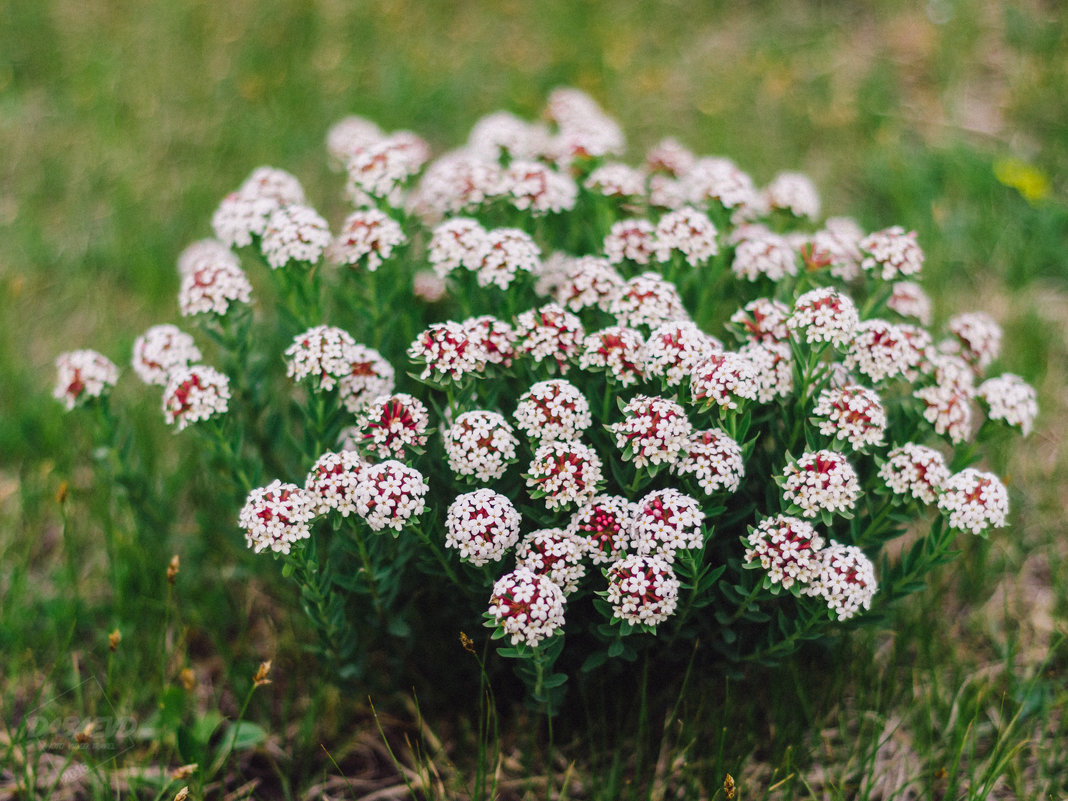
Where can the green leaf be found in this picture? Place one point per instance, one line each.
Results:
(245, 735)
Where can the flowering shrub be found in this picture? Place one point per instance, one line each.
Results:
(531, 384)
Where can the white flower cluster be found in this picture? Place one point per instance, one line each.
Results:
(604, 523)
(648, 301)
(916, 471)
(368, 376)
(564, 473)
(588, 282)
(713, 459)
(762, 320)
(654, 431)
(390, 495)
(908, 299)
(82, 374)
(553, 409)
(527, 607)
(724, 380)
(774, 366)
(212, 279)
(793, 192)
(294, 233)
(974, 501)
(882, 351)
(978, 338)
(617, 351)
(892, 253)
(243, 214)
(323, 354)
(688, 232)
(824, 315)
(368, 237)
(642, 590)
(333, 479)
(532, 186)
(276, 517)
(618, 180)
(787, 548)
(821, 481)
(1008, 397)
(630, 240)
(836, 248)
(667, 521)
(480, 444)
(494, 337)
(381, 168)
(446, 351)
(195, 393)
(549, 332)
(853, 414)
(481, 525)
(507, 251)
(846, 580)
(555, 553)
(392, 425)
(160, 350)
(457, 243)
(764, 254)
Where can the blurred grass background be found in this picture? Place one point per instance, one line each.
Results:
(124, 122)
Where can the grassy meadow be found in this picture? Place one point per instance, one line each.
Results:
(123, 124)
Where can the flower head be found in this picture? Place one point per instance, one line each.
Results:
(161, 349)
(787, 548)
(764, 254)
(532, 186)
(553, 409)
(83, 374)
(212, 279)
(882, 351)
(556, 553)
(588, 281)
(688, 232)
(1008, 397)
(821, 481)
(713, 459)
(322, 354)
(195, 393)
(846, 580)
(276, 516)
(495, 337)
(457, 182)
(549, 332)
(242, 216)
(793, 192)
(564, 473)
(368, 237)
(392, 425)
(333, 479)
(481, 525)
(604, 524)
(774, 365)
(724, 379)
(669, 156)
(666, 521)
(504, 133)
(447, 351)
(915, 471)
(526, 607)
(380, 169)
(674, 349)
(978, 338)
(824, 315)
(630, 240)
(616, 180)
(642, 590)
(892, 253)
(390, 495)
(948, 408)
(835, 248)
(507, 251)
(617, 351)
(457, 243)
(654, 431)
(908, 299)
(294, 233)
(348, 136)
(853, 414)
(762, 320)
(717, 179)
(974, 501)
(647, 300)
(480, 444)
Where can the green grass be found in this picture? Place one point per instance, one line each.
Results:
(123, 124)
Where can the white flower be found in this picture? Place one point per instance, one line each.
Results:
(616, 180)
(504, 132)
(974, 501)
(824, 315)
(674, 349)
(446, 350)
(368, 376)
(553, 409)
(1010, 398)
(348, 136)
(537, 188)
(853, 414)
(821, 481)
(666, 521)
(390, 495)
(617, 351)
(241, 216)
(787, 548)
(195, 393)
(648, 300)
(724, 379)
(642, 590)
(276, 516)
(549, 332)
(82, 374)
(211, 282)
(719, 179)
(495, 337)
(881, 351)
(480, 444)
(764, 254)
(392, 425)
(161, 349)
(846, 580)
(506, 252)
(793, 192)
(587, 281)
(689, 232)
(713, 459)
(893, 253)
(564, 473)
(978, 338)
(333, 479)
(527, 607)
(459, 242)
(322, 353)
(908, 299)
(915, 471)
(367, 237)
(630, 240)
(774, 366)
(294, 233)
(381, 168)
(604, 524)
(481, 525)
(654, 431)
